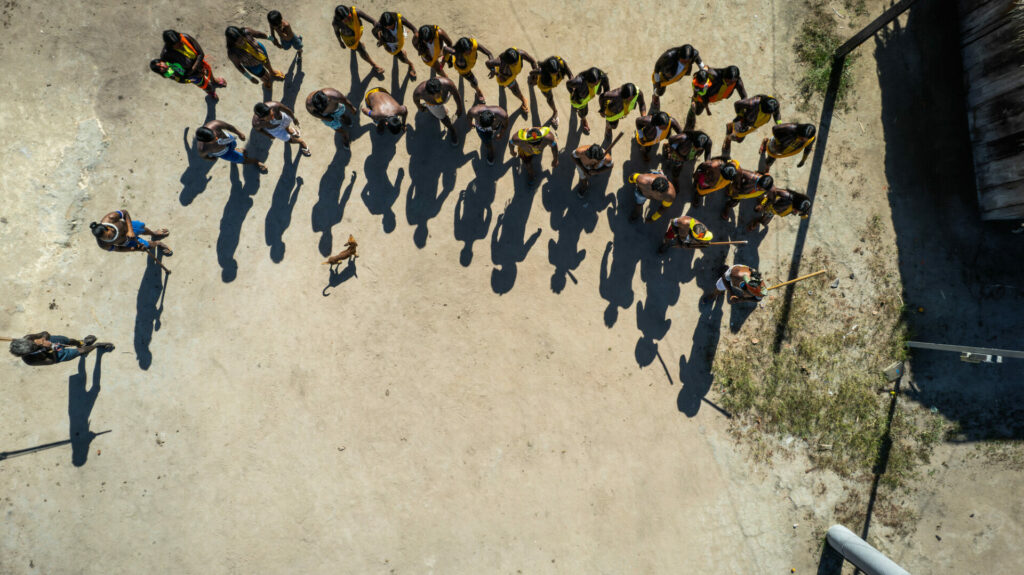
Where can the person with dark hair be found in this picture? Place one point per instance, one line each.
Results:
(333, 109)
(529, 143)
(182, 59)
(653, 129)
(780, 202)
(282, 35)
(547, 77)
(490, 123)
(275, 120)
(685, 147)
(652, 185)
(118, 232)
(214, 142)
(751, 114)
(744, 284)
(582, 89)
(506, 68)
(714, 85)
(432, 95)
(464, 56)
(618, 103)
(713, 175)
(685, 232)
(788, 140)
(385, 111)
(434, 47)
(348, 28)
(747, 184)
(45, 349)
(670, 67)
(590, 161)
(390, 33)
(250, 56)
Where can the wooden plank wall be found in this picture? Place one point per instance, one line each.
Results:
(993, 58)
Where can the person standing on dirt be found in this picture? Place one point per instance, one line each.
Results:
(118, 232)
(490, 123)
(506, 68)
(547, 77)
(390, 33)
(183, 60)
(432, 95)
(788, 140)
(714, 85)
(590, 161)
(652, 129)
(743, 283)
(275, 120)
(45, 349)
(780, 202)
(672, 66)
(684, 147)
(751, 114)
(714, 174)
(685, 232)
(747, 184)
(385, 111)
(582, 89)
(654, 186)
(250, 56)
(618, 103)
(282, 35)
(348, 29)
(333, 109)
(464, 57)
(529, 143)
(434, 47)
(214, 142)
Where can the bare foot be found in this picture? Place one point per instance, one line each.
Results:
(161, 234)
(378, 71)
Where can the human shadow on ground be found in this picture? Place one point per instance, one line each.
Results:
(43, 447)
(663, 277)
(400, 84)
(80, 404)
(695, 367)
(509, 244)
(292, 83)
(379, 194)
(473, 211)
(196, 176)
(830, 562)
(279, 216)
(149, 305)
(237, 207)
(340, 275)
(330, 205)
(432, 160)
(357, 85)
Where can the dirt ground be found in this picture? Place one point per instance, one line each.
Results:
(506, 379)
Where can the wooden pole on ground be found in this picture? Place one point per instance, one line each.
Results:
(793, 281)
(158, 262)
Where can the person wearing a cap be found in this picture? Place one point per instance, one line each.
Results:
(685, 232)
(742, 282)
(780, 202)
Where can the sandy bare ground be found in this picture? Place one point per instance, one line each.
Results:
(495, 387)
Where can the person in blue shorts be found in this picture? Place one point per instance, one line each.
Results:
(333, 109)
(282, 35)
(250, 56)
(214, 141)
(117, 232)
(45, 349)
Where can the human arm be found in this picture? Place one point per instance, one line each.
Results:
(641, 102)
(418, 99)
(707, 149)
(367, 18)
(240, 68)
(255, 33)
(129, 233)
(741, 89)
(605, 86)
(777, 115)
(273, 37)
(526, 56)
(807, 152)
(40, 335)
(675, 127)
(200, 54)
(566, 70)
(492, 67)
(290, 112)
(553, 142)
(411, 27)
(460, 107)
(480, 47)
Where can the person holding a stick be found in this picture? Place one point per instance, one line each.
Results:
(45, 349)
(118, 232)
(780, 202)
(685, 232)
(651, 186)
(743, 283)
(590, 161)
(490, 123)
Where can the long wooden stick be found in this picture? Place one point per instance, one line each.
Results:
(6, 338)
(615, 141)
(158, 262)
(801, 278)
(731, 243)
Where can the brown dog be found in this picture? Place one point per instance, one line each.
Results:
(348, 252)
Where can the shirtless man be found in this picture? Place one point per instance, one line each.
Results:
(788, 140)
(385, 111)
(464, 58)
(432, 95)
(117, 232)
(506, 68)
(743, 283)
(547, 77)
(45, 349)
(713, 85)
(747, 184)
(434, 47)
(390, 33)
(780, 202)
(713, 175)
(654, 186)
(590, 161)
(490, 123)
(348, 29)
(651, 130)
(182, 59)
(582, 89)
(250, 56)
(671, 67)
(685, 147)
(751, 114)
(333, 109)
(275, 120)
(618, 103)
(214, 142)
(530, 143)
(282, 35)
(685, 232)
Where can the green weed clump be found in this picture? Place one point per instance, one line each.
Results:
(815, 48)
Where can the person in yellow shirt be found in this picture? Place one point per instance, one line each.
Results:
(506, 68)
(465, 53)
(390, 33)
(434, 47)
(582, 89)
(547, 77)
(788, 140)
(348, 28)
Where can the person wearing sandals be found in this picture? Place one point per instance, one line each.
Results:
(275, 120)
(118, 232)
(45, 349)
(214, 142)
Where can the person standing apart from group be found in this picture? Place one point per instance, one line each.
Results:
(282, 35)
(44, 349)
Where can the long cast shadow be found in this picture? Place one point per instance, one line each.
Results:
(695, 368)
(509, 244)
(235, 210)
(431, 161)
(473, 211)
(292, 83)
(379, 194)
(330, 205)
(149, 305)
(339, 277)
(279, 215)
(80, 404)
(196, 176)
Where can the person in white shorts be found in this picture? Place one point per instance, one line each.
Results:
(742, 282)
(590, 161)
(432, 95)
(276, 120)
